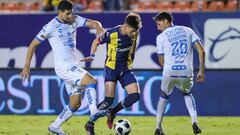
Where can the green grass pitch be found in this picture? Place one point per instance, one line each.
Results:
(141, 125)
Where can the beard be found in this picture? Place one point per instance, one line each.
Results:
(69, 20)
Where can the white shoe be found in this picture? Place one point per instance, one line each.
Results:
(56, 130)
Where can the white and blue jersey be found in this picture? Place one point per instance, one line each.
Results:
(176, 44)
(62, 38)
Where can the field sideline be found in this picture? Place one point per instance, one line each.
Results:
(37, 125)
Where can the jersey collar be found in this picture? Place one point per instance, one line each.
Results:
(58, 20)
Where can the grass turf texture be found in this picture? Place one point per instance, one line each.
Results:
(37, 125)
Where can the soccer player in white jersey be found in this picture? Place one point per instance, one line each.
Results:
(175, 54)
(61, 34)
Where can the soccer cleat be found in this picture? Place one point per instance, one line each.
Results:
(110, 118)
(56, 130)
(98, 115)
(159, 132)
(196, 129)
(89, 127)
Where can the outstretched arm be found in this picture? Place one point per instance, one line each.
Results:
(26, 69)
(95, 44)
(95, 25)
(201, 56)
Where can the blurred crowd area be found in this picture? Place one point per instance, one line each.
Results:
(9, 6)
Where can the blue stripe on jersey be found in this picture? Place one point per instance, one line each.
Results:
(76, 82)
(85, 21)
(73, 68)
(58, 20)
(38, 39)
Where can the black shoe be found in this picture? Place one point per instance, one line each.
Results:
(159, 132)
(110, 118)
(89, 127)
(196, 129)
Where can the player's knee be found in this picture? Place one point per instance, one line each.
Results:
(131, 99)
(164, 95)
(91, 83)
(91, 80)
(88, 79)
(106, 103)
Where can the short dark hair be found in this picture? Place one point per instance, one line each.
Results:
(133, 20)
(65, 5)
(163, 16)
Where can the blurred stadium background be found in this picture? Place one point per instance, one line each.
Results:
(217, 22)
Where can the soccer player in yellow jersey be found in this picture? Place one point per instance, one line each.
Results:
(121, 46)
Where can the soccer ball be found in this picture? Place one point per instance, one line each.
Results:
(122, 127)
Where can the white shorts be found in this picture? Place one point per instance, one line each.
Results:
(72, 76)
(183, 83)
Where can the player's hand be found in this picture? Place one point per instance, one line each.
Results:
(200, 77)
(24, 75)
(100, 32)
(87, 59)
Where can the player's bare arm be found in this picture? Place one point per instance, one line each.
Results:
(26, 69)
(134, 46)
(94, 46)
(161, 60)
(95, 25)
(201, 55)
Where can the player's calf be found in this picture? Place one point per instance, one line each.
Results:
(106, 103)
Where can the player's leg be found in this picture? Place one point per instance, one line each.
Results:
(68, 111)
(110, 88)
(129, 82)
(106, 103)
(110, 85)
(91, 95)
(186, 85)
(110, 80)
(166, 89)
(79, 78)
(132, 97)
(90, 91)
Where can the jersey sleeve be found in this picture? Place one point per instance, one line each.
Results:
(80, 21)
(194, 36)
(44, 33)
(105, 38)
(159, 42)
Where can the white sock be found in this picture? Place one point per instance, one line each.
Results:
(63, 116)
(191, 106)
(92, 100)
(160, 111)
